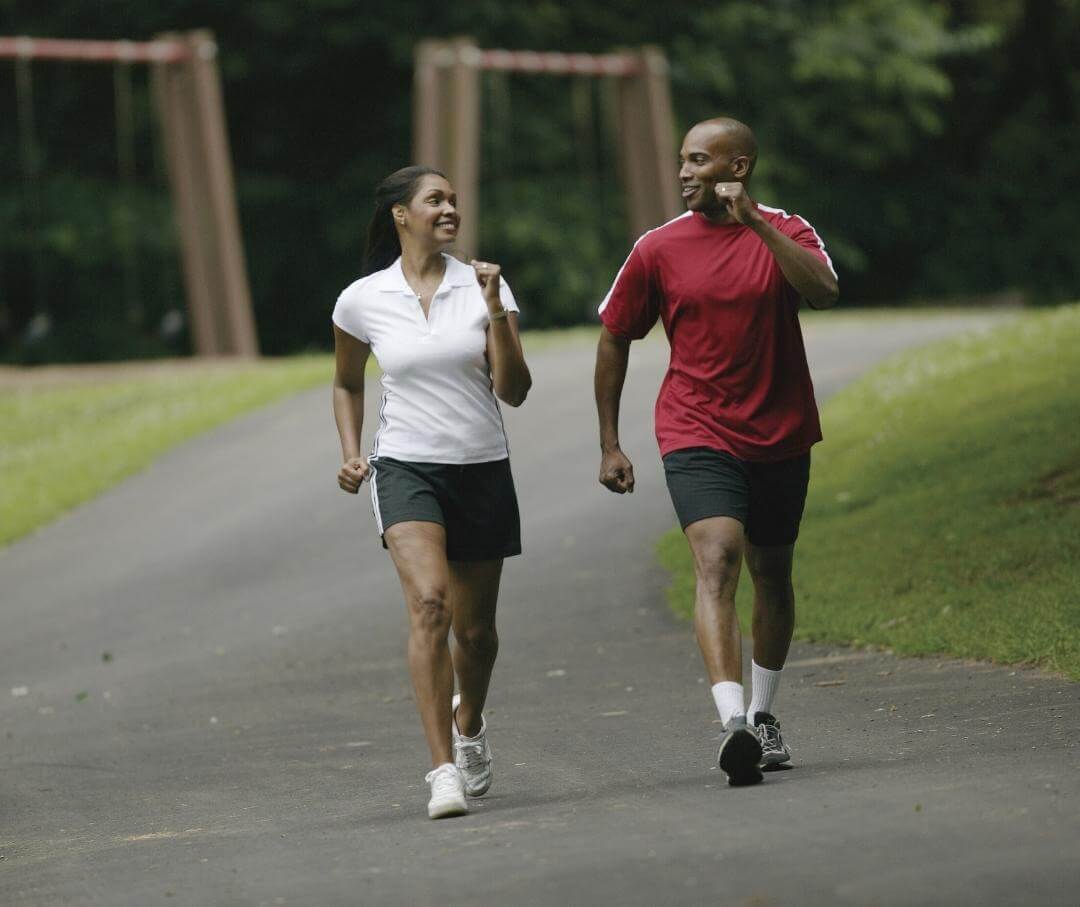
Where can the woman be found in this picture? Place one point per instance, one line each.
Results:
(446, 337)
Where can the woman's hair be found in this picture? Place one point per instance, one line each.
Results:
(383, 245)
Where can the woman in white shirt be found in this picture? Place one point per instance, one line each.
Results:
(446, 337)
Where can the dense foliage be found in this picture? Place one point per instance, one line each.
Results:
(930, 143)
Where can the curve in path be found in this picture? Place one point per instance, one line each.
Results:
(250, 737)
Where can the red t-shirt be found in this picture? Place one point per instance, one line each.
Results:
(738, 379)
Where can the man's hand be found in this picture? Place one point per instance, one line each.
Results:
(617, 472)
(734, 197)
(352, 473)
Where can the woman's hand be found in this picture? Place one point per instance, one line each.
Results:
(352, 474)
(487, 275)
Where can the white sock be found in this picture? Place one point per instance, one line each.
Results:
(728, 697)
(762, 690)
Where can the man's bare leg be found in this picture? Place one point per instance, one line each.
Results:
(717, 545)
(773, 624)
(774, 603)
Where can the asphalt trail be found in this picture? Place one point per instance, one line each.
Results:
(205, 701)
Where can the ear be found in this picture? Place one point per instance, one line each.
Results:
(399, 213)
(740, 166)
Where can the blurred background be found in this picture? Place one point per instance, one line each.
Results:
(931, 144)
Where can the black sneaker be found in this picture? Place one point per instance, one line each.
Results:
(739, 753)
(773, 749)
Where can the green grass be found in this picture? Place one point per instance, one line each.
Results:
(65, 439)
(944, 505)
(62, 445)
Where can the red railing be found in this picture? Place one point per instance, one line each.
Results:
(559, 64)
(94, 51)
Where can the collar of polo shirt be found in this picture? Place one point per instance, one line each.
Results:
(457, 274)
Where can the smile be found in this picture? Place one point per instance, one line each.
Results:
(687, 191)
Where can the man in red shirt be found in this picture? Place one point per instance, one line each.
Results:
(736, 416)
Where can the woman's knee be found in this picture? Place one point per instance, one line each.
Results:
(480, 640)
(429, 610)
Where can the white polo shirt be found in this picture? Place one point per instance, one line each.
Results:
(438, 405)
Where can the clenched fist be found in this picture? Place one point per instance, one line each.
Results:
(617, 472)
(352, 474)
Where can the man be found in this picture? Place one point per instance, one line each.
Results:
(736, 416)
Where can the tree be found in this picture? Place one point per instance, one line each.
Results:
(890, 124)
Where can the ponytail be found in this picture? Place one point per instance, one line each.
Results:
(383, 246)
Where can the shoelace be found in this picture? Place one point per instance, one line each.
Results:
(473, 753)
(770, 736)
(443, 780)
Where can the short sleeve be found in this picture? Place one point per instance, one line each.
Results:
(506, 297)
(799, 229)
(348, 316)
(632, 305)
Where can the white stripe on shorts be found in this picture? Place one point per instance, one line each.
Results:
(375, 496)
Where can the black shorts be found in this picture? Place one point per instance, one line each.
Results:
(475, 503)
(767, 498)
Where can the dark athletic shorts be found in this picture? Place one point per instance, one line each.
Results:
(767, 498)
(475, 503)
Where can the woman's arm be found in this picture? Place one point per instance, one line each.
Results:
(350, 356)
(509, 373)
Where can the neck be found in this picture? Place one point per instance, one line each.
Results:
(719, 216)
(422, 263)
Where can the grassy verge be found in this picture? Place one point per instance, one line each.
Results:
(95, 426)
(944, 506)
(63, 441)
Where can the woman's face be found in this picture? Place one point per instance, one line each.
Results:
(430, 219)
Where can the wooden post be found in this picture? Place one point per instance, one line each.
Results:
(428, 104)
(663, 138)
(192, 114)
(446, 125)
(632, 140)
(235, 294)
(646, 144)
(172, 92)
(465, 142)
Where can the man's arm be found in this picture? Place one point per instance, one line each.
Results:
(612, 357)
(805, 271)
(811, 277)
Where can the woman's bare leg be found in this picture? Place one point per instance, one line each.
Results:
(474, 592)
(419, 553)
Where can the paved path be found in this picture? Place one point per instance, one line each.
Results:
(209, 702)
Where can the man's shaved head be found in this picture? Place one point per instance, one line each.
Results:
(730, 136)
(721, 150)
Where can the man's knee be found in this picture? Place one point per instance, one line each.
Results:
(716, 565)
(772, 580)
(771, 565)
(716, 543)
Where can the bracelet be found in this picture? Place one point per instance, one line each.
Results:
(497, 316)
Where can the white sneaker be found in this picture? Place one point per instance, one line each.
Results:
(447, 792)
(472, 755)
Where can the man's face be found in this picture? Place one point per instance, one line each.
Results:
(707, 158)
